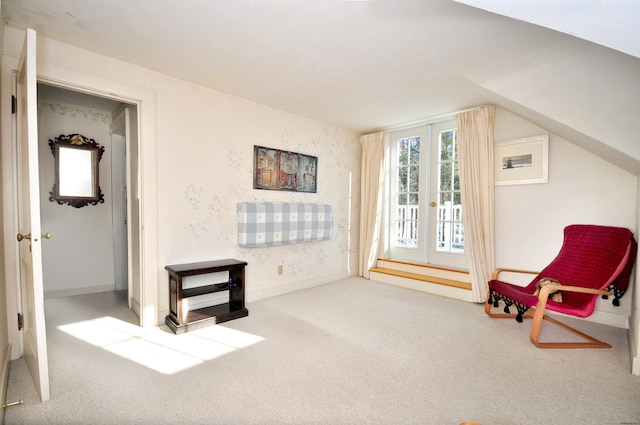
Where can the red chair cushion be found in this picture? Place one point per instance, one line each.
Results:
(591, 256)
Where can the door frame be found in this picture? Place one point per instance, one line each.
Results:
(446, 259)
(81, 81)
(419, 254)
(425, 253)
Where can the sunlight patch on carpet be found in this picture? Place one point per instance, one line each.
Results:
(156, 349)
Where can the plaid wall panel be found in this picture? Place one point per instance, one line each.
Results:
(271, 223)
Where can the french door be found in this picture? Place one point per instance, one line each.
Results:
(425, 211)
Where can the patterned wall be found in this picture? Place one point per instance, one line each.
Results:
(198, 216)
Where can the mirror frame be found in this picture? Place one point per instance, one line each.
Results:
(76, 141)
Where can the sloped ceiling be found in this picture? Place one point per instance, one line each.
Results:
(367, 65)
(612, 24)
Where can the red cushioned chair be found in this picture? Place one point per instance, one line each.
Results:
(593, 261)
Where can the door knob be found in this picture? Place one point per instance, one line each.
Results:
(433, 204)
(20, 237)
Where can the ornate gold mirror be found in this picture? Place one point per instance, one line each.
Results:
(77, 158)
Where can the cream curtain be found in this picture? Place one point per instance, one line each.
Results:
(372, 181)
(475, 155)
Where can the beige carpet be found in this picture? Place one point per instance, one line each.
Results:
(350, 352)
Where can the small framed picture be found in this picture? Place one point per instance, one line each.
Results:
(522, 161)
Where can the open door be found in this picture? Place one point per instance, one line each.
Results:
(30, 235)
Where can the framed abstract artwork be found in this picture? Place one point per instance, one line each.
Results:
(275, 169)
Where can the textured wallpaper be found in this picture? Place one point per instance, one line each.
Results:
(198, 216)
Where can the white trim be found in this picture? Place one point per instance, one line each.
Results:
(145, 99)
(146, 105)
(10, 207)
(283, 289)
(633, 348)
(609, 318)
(287, 288)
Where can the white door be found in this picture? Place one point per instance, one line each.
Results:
(30, 234)
(409, 184)
(425, 224)
(446, 231)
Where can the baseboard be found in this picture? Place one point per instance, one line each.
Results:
(287, 288)
(253, 296)
(633, 350)
(4, 379)
(608, 318)
(134, 305)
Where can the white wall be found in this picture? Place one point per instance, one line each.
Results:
(205, 141)
(204, 151)
(79, 256)
(205, 161)
(582, 188)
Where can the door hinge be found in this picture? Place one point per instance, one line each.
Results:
(14, 104)
(20, 321)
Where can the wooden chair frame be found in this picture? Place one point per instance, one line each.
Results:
(538, 314)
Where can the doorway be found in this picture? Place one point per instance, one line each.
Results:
(89, 251)
(425, 207)
(21, 77)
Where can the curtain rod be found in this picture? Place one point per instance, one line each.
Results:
(431, 120)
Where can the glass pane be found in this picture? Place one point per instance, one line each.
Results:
(441, 237)
(415, 213)
(414, 150)
(458, 238)
(414, 178)
(446, 146)
(445, 176)
(454, 135)
(408, 197)
(402, 179)
(457, 213)
(456, 176)
(450, 231)
(403, 152)
(400, 238)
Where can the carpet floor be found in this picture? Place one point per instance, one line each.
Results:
(349, 352)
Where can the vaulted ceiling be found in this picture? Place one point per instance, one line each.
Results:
(367, 65)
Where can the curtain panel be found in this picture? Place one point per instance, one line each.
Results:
(475, 156)
(372, 178)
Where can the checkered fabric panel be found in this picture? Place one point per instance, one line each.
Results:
(270, 223)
